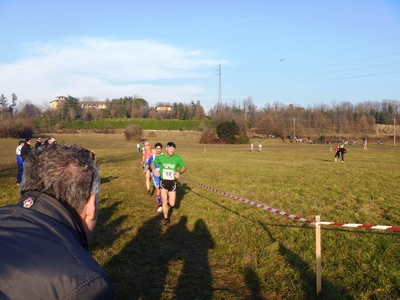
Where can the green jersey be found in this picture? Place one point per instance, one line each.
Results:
(169, 165)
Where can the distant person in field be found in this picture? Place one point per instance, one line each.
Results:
(156, 179)
(146, 155)
(44, 252)
(169, 165)
(259, 146)
(138, 147)
(20, 162)
(342, 151)
(337, 153)
(365, 145)
(251, 146)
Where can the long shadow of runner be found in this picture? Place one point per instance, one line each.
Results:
(195, 281)
(139, 270)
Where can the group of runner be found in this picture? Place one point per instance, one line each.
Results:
(340, 151)
(164, 169)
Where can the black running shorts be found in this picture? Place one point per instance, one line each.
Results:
(169, 185)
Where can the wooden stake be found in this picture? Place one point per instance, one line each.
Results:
(318, 253)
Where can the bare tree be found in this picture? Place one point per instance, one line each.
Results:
(266, 125)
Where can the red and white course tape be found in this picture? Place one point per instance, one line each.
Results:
(259, 205)
(365, 226)
(294, 217)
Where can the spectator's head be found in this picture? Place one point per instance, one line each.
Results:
(28, 141)
(39, 139)
(341, 146)
(21, 142)
(68, 173)
(52, 141)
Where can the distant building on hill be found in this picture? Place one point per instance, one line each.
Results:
(56, 103)
(164, 108)
(93, 105)
(89, 105)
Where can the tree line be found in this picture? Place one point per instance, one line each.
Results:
(273, 119)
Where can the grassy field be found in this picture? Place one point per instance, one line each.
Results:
(219, 248)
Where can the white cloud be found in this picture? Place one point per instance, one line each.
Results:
(108, 69)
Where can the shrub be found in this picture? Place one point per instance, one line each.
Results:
(133, 132)
(228, 131)
(244, 140)
(209, 136)
(16, 129)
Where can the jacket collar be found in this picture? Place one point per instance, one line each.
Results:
(53, 208)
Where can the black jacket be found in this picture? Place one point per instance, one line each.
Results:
(44, 253)
(26, 151)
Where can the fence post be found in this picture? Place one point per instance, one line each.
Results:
(318, 252)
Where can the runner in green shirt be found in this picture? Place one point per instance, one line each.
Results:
(169, 165)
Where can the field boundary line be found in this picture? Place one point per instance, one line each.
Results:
(294, 217)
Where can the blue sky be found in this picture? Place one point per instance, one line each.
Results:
(303, 52)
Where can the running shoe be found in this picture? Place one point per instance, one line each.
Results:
(159, 209)
(166, 222)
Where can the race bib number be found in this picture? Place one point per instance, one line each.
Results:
(168, 174)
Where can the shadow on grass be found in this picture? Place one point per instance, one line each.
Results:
(140, 269)
(308, 278)
(307, 274)
(105, 232)
(115, 159)
(182, 190)
(253, 283)
(108, 179)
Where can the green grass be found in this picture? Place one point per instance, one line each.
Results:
(219, 248)
(144, 123)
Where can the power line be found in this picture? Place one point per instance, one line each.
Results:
(329, 65)
(331, 79)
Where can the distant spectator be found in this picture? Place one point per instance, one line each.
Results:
(20, 162)
(138, 147)
(38, 143)
(26, 149)
(337, 153)
(342, 151)
(52, 141)
(365, 145)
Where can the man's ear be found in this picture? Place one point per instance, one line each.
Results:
(88, 215)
